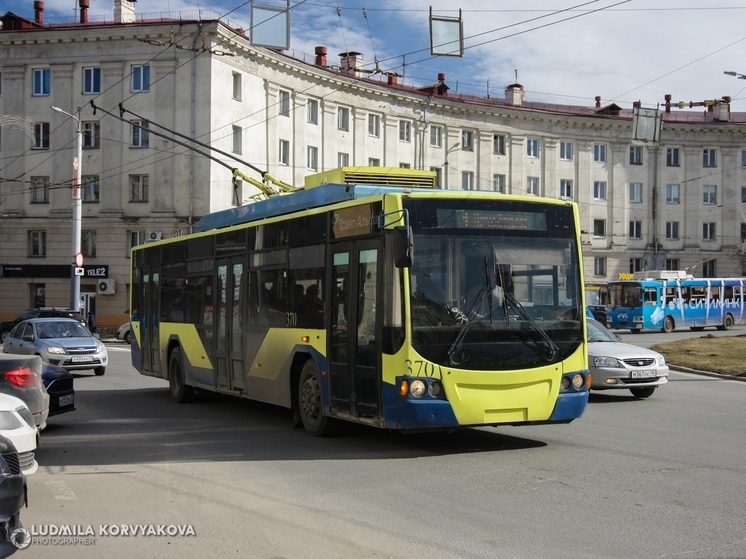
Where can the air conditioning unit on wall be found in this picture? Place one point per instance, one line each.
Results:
(154, 236)
(106, 287)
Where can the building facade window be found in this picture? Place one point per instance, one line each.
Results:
(284, 103)
(467, 140)
(498, 183)
(41, 135)
(743, 195)
(673, 193)
(139, 188)
(672, 230)
(743, 158)
(565, 188)
(635, 229)
(343, 159)
(708, 231)
(374, 125)
(141, 78)
(635, 155)
(467, 180)
(566, 151)
(284, 153)
(498, 144)
(709, 158)
(40, 190)
(312, 111)
(635, 192)
(599, 190)
(237, 139)
(91, 80)
(405, 131)
(42, 81)
(91, 135)
(405, 166)
(236, 78)
(532, 185)
(88, 243)
(599, 153)
(635, 265)
(374, 162)
(436, 136)
(140, 134)
(709, 194)
(599, 266)
(90, 189)
(708, 269)
(672, 264)
(532, 147)
(37, 243)
(438, 176)
(599, 227)
(343, 119)
(672, 157)
(312, 158)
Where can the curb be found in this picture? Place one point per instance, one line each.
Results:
(706, 373)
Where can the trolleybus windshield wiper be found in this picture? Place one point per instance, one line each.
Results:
(454, 353)
(543, 338)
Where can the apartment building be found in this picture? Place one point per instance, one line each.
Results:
(169, 105)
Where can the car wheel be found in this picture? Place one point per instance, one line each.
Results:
(309, 402)
(642, 392)
(127, 337)
(635, 330)
(99, 371)
(668, 325)
(3, 334)
(180, 392)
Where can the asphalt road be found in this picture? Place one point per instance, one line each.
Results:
(656, 478)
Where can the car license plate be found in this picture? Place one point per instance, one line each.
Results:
(82, 359)
(643, 374)
(68, 400)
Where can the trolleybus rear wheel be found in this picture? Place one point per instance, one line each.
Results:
(727, 322)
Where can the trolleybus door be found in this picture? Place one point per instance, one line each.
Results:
(149, 316)
(355, 329)
(230, 305)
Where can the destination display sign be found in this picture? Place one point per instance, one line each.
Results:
(491, 219)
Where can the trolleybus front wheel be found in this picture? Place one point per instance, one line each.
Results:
(668, 325)
(309, 402)
(180, 392)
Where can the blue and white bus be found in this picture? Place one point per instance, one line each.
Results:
(675, 300)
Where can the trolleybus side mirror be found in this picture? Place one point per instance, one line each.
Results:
(403, 246)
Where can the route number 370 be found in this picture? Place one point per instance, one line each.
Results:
(420, 368)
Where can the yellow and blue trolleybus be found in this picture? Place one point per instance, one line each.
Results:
(373, 297)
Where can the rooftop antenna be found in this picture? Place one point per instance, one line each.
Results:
(516, 75)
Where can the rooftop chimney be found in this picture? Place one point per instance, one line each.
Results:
(393, 79)
(724, 109)
(39, 11)
(84, 10)
(124, 11)
(351, 62)
(321, 56)
(514, 94)
(598, 101)
(636, 104)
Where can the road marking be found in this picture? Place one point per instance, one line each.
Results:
(61, 491)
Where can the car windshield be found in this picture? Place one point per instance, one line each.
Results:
(597, 333)
(66, 329)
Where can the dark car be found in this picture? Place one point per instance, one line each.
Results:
(20, 376)
(59, 384)
(13, 496)
(41, 312)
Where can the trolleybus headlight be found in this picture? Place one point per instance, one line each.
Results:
(565, 383)
(578, 381)
(417, 388)
(435, 389)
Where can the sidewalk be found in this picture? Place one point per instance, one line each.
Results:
(705, 373)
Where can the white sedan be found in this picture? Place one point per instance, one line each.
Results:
(614, 364)
(17, 424)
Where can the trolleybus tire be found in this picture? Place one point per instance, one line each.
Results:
(668, 325)
(635, 330)
(309, 403)
(645, 392)
(180, 392)
(696, 328)
(727, 322)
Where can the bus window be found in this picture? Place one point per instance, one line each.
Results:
(650, 295)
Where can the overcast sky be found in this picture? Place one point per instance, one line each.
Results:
(564, 51)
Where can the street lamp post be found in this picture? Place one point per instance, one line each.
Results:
(77, 261)
(445, 163)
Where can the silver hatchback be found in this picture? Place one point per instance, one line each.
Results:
(60, 341)
(614, 364)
